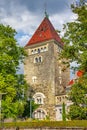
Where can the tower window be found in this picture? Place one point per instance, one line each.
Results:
(35, 51)
(34, 78)
(60, 80)
(60, 70)
(38, 59)
(45, 48)
(38, 50)
(39, 98)
(41, 49)
(32, 51)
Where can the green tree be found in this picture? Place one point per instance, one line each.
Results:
(75, 50)
(11, 83)
(63, 112)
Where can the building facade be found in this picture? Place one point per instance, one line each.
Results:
(43, 70)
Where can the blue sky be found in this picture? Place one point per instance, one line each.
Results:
(26, 15)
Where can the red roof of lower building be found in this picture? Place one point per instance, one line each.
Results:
(44, 32)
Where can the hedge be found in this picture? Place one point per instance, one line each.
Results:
(51, 124)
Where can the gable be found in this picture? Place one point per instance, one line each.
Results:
(44, 32)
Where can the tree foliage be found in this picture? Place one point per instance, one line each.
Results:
(75, 50)
(63, 112)
(11, 83)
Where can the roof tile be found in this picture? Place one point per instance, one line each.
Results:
(44, 32)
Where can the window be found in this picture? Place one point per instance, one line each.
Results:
(60, 110)
(39, 114)
(35, 51)
(38, 50)
(59, 49)
(41, 49)
(60, 80)
(34, 79)
(39, 98)
(60, 70)
(60, 99)
(45, 48)
(38, 59)
(32, 51)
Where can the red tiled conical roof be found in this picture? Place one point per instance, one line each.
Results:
(44, 32)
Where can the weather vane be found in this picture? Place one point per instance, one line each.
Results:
(46, 15)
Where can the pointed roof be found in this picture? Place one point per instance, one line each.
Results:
(44, 32)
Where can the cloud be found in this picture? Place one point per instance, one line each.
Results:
(26, 15)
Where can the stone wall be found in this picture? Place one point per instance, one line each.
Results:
(46, 76)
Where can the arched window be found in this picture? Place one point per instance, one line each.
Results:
(35, 51)
(60, 80)
(38, 50)
(39, 114)
(45, 48)
(34, 79)
(60, 70)
(40, 59)
(32, 51)
(39, 98)
(41, 49)
(36, 60)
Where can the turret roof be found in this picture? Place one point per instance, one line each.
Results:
(44, 32)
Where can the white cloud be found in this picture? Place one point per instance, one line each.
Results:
(25, 22)
(20, 17)
(59, 19)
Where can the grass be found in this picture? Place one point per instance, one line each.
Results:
(51, 124)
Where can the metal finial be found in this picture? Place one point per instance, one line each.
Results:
(46, 15)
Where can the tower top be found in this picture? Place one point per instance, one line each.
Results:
(44, 32)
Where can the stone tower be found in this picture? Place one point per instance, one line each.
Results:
(43, 70)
